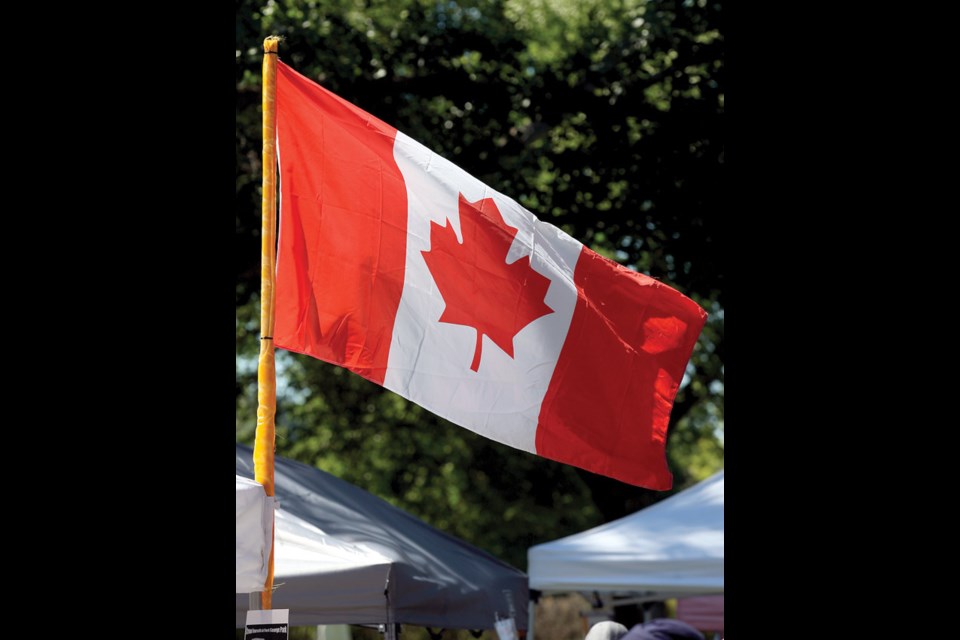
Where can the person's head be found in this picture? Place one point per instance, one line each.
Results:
(606, 630)
(663, 629)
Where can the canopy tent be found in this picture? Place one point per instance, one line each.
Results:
(393, 567)
(303, 551)
(671, 549)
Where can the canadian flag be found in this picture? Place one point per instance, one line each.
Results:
(398, 265)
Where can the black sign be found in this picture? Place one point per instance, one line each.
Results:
(265, 632)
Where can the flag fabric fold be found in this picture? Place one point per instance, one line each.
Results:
(398, 265)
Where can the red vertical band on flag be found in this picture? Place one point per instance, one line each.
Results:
(340, 263)
(628, 358)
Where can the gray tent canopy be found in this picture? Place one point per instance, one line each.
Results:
(434, 579)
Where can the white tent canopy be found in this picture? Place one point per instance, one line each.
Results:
(303, 551)
(673, 548)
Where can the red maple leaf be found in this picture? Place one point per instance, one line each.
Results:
(478, 286)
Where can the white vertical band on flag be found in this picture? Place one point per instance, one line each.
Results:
(429, 361)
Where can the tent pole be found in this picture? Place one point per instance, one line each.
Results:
(531, 618)
(264, 444)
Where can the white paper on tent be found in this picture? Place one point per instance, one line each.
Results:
(506, 629)
(254, 534)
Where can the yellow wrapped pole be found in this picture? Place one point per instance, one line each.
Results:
(263, 447)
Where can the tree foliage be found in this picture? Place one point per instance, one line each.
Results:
(603, 117)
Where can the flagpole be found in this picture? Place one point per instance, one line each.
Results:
(263, 448)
